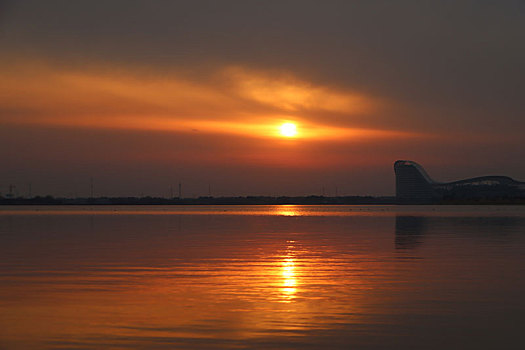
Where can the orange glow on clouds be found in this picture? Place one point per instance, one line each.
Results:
(286, 92)
(233, 101)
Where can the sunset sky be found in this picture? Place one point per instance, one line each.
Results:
(142, 95)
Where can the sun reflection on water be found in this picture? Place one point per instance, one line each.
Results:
(288, 273)
(287, 210)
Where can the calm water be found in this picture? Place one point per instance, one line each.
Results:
(281, 277)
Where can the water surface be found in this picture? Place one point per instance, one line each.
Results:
(282, 277)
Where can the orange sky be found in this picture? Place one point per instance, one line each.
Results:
(233, 100)
(199, 97)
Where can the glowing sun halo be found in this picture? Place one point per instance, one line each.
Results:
(288, 130)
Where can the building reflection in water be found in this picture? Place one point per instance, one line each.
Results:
(409, 231)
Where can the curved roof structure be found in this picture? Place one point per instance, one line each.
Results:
(402, 163)
(414, 184)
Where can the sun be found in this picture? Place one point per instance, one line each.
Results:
(288, 129)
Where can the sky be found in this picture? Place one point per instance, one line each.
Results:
(141, 95)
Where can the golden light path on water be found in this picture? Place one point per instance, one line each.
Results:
(260, 282)
(288, 271)
(258, 276)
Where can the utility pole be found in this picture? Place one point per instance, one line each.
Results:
(180, 190)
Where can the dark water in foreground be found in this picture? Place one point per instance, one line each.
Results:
(299, 277)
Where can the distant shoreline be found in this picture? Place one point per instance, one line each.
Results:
(253, 200)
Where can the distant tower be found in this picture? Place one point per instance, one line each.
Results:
(180, 190)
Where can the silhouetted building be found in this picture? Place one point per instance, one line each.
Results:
(414, 185)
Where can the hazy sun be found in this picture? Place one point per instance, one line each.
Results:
(288, 130)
